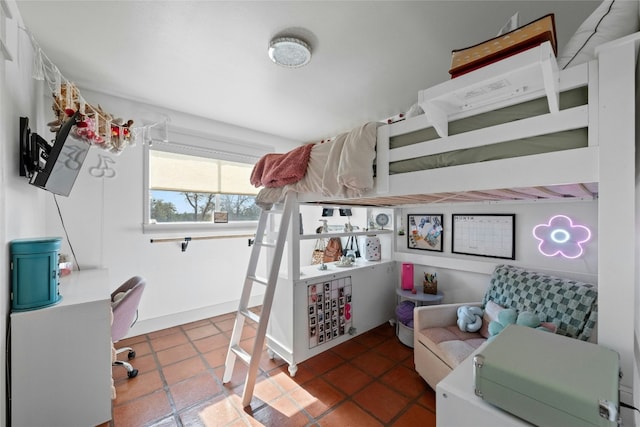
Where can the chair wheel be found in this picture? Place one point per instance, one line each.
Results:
(132, 373)
(131, 354)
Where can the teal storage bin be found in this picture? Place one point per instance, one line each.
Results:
(34, 273)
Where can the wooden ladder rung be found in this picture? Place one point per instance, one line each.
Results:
(242, 354)
(260, 280)
(250, 315)
(274, 211)
(266, 244)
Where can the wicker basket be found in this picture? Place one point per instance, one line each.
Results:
(430, 287)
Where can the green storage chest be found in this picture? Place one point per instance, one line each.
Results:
(34, 273)
(548, 379)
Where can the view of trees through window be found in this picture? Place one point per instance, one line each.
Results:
(199, 207)
(188, 188)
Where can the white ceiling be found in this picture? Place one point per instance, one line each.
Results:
(209, 58)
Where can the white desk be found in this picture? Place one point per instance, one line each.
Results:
(458, 406)
(61, 356)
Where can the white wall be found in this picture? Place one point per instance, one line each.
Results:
(21, 205)
(463, 278)
(103, 219)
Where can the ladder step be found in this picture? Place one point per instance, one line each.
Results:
(260, 280)
(241, 353)
(265, 244)
(250, 315)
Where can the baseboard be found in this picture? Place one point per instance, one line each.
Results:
(146, 326)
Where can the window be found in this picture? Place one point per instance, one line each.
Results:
(188, 185)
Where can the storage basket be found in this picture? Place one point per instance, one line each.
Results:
(405, 335)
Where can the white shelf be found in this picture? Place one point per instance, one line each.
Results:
(346, 234)
(313, 271)
(529, 74)
(5, 15)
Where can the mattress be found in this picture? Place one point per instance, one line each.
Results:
(536, 145)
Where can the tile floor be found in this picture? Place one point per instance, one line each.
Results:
(367, 381)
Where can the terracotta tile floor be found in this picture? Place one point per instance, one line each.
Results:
(367, 381)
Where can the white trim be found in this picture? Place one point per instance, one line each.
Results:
(145, 326)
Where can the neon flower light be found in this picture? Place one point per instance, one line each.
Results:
(560, 236)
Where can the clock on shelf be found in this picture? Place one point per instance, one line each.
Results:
(382, 219)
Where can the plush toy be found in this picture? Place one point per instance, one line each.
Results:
(469, 318)
(509, 316)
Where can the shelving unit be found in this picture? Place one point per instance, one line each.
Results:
(405, 333)
(514, 79)
(370, 286)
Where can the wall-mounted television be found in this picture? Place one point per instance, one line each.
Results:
(52, 166)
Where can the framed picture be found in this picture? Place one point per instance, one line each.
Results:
(220, 217)
(425, 232)
(489, 235)
(327, 211)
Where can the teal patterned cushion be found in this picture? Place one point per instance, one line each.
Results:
(569, 304)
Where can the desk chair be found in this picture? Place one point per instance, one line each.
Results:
(124, 303)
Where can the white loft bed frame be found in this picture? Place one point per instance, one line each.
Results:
(608, 161)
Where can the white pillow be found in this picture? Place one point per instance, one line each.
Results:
(611, 20)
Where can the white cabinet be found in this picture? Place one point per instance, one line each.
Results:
(314, 310)
(60, 356)
(359, 299)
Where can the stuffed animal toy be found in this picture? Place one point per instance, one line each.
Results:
(469, 318)
(509, 316)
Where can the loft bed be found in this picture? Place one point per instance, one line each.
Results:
(518, 129)
(579, 143)
(521, 127)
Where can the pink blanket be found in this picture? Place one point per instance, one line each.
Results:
(276, 170)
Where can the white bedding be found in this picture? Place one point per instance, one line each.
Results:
(340, 168)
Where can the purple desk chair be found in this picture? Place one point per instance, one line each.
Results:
(124, 303)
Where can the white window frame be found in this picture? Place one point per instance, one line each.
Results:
(194, 145)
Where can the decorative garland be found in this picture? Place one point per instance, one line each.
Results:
(94, 125)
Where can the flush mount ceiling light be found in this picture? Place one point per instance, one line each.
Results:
(289, 52)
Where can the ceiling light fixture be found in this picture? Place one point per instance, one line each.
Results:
(290, 52)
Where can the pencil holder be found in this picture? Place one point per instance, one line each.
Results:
(430, 286)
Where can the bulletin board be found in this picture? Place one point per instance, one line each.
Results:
(489, 235)
(330, 310)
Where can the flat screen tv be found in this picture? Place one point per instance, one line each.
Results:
(52, 166)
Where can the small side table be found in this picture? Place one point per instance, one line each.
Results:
(403, 332)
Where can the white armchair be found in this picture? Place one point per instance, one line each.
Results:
(432, 362)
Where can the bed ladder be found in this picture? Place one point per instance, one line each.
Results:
(262, 242)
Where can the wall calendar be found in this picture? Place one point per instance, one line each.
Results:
(490, 235)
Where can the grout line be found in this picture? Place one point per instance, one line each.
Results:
(374, 345)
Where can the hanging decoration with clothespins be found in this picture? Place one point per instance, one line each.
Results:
(93, 125)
